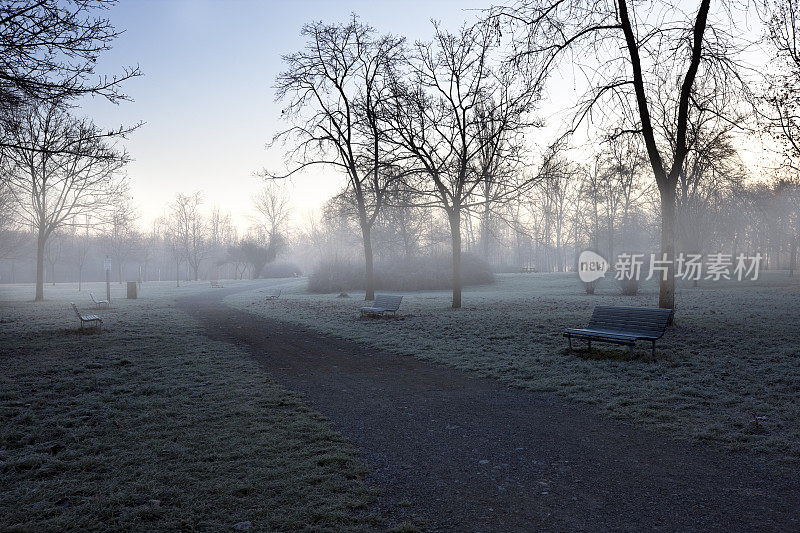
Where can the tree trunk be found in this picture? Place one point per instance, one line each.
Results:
(455, 233)
(666, 295)
(793, 257)
(369, 265)
(40, 242)
(611, 240)
(485, 232)
(178, 274)
(80, 277)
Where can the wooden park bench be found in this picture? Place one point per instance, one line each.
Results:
(623, 325)
(216, 285)
(384, 303)
(274, 295)
(92, 320)
(98, 303)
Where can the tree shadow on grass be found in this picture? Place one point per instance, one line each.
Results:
(610, 354)
(72, 332)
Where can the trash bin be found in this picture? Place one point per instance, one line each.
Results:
(131, 290)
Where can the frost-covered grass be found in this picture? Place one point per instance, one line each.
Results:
(734, 353)
(150, 425)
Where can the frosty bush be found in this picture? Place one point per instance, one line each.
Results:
(283, 269)
(419, 273)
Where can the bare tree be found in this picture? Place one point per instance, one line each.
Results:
(635, 48)
(12, 234)
(173, 243)
(335, 89)
(439, 121)
(500, 158)
(190, 229)
(63, 169)
(80, 241)
(782, 94)
(121, 231)
(274, 207)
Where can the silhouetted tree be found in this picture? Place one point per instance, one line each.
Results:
(439, 122)
(334, 90)
(648, 51)
(62, 169)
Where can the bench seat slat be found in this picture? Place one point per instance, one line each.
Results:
(623, 325)
(384, 303)
(600, 333)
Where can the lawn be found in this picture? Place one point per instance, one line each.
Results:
(728, 371)
(149, 425)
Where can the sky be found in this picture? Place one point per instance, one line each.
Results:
(206, 96)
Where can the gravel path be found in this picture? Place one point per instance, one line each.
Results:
(453, 452)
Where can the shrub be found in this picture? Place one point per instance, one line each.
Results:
(284, 269)
(336, 275)
(419, 273)
(506, 268)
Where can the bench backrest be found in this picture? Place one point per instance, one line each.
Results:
(649, 321)
(389, 302)
(75, 308)
(92, 296)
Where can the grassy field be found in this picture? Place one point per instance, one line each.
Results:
(728, 372)
(149, 425)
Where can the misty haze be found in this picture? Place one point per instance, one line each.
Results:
(399, 266)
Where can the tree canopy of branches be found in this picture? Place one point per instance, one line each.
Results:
(783, 92)
(455, 119)
(49, 51)
(334, 90)
(62, 170)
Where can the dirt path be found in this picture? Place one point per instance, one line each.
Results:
(473, 455)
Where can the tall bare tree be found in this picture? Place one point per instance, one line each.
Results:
(63, 169)
(439, 122)
(190, 229)
(121, 231)
(334, 90)
(628, 51)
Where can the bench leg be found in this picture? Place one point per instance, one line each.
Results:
(631, 350)
(569, 342)
(589, 341)
(654, 349)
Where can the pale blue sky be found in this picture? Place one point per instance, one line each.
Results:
(206, 95)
